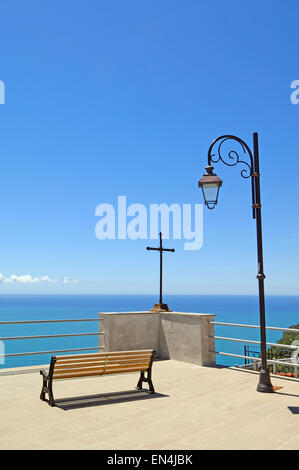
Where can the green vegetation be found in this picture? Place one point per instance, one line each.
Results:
(279, 353)
(288, 337)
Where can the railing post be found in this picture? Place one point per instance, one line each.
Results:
(207, 340)
(103, 336)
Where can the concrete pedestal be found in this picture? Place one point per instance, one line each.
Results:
(175, 335)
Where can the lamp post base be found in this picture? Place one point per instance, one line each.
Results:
(264, 384)
(160, 308)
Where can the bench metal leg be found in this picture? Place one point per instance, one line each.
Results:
(43, 392)
(43, 396)
(47, 388)
(140, 381)
(148, 380)
(51, 396)
(151, 386)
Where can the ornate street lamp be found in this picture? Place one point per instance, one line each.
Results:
(210, 185)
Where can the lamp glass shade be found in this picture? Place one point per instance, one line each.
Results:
(210, 185)
(210, 194)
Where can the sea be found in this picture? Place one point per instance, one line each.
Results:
(281, 311)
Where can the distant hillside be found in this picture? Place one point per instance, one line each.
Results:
(288, 337)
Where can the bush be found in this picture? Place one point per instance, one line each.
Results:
(280, 353)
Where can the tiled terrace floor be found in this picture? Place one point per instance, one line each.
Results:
(195, 408)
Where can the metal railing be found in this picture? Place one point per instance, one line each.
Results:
(65, 335)
(256, 361)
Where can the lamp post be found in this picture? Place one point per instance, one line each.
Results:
(210, 184)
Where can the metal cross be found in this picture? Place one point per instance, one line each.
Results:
(161, 249)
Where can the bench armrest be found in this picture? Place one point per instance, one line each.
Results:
(44, 374)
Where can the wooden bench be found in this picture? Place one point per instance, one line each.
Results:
(89, 365)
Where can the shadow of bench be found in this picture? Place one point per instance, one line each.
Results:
(103, 399)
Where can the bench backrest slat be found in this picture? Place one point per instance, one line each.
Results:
(100, 364)
(103, 359)
(103, 354)
(78, 365)
(95, 371)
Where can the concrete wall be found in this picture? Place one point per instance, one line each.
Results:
(131, 330)
(175, 335)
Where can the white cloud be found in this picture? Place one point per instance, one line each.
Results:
(67, 280)
(28, 279)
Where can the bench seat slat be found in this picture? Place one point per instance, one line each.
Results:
(104, 358)
(124, 370)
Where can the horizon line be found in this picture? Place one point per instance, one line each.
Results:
(24, 294)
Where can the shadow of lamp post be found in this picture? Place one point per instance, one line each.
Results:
(210, 184)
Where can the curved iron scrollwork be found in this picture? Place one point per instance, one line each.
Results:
(232, 157)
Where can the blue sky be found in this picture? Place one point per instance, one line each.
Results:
(124, 98)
